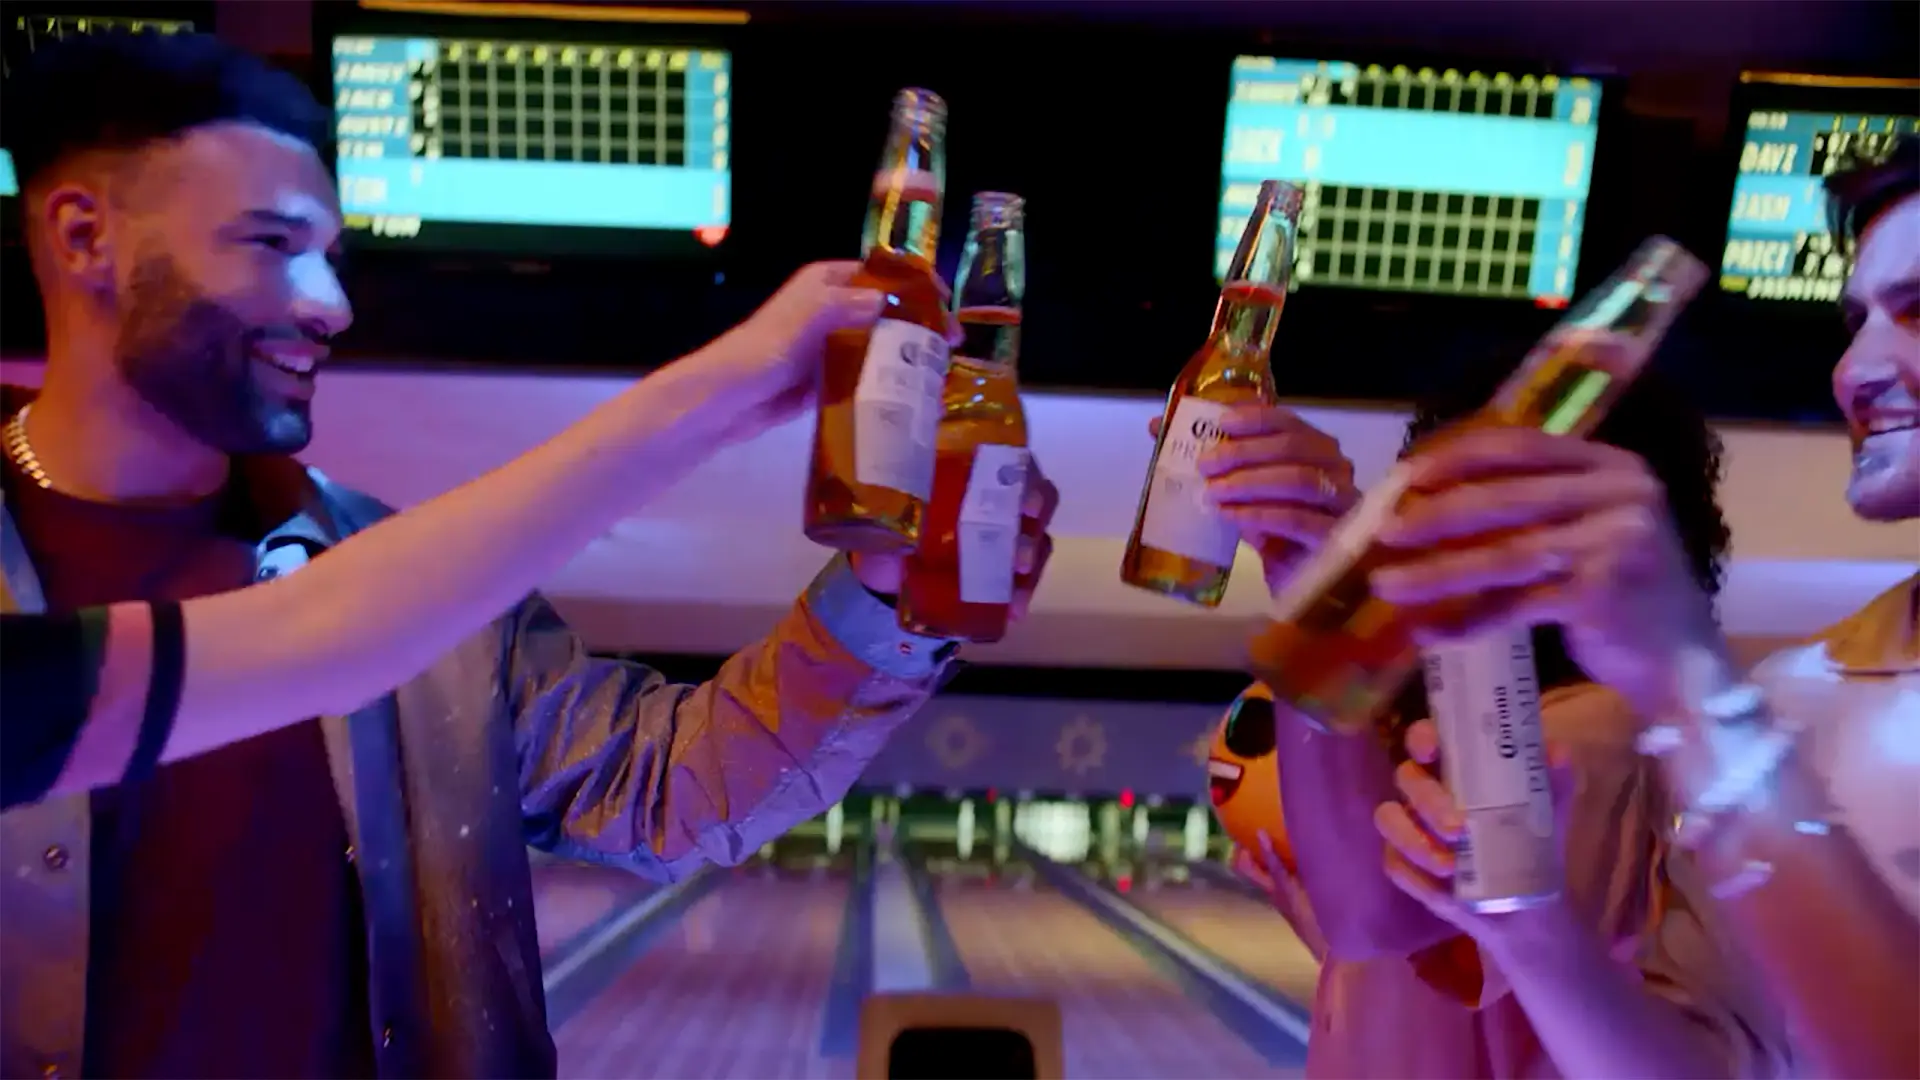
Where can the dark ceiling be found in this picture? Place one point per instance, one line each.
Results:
(1856, 36)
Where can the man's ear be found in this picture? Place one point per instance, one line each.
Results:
(79, 243)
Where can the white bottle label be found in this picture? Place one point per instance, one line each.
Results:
(1178, 518)
(897, 407)
(1485, 699)
(990, 524)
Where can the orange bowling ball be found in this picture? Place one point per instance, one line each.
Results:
(1243, 779)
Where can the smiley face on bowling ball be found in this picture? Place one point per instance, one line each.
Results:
(1243, 779)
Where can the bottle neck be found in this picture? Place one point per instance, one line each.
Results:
(1247, 318)
(991, 283)
(990, 338)
(1572, 377)
(903, 212)
(1259, 273)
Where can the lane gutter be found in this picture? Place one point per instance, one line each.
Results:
(595, 959)
(852, 961)
(943, 956)
(1223, 878)
(1275, 1027)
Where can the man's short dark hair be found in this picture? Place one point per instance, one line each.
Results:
(120, 91)
(1861, 192)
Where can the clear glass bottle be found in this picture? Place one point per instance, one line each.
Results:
(960, 579)
(1337, 653)
(880, 392)
(1181, 546)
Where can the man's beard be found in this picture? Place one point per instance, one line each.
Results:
(189, 358)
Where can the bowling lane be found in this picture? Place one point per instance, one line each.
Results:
(735, 987)
(571, 898)
(1122, 1016)
(1232, 925)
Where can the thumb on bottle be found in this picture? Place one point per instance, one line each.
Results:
(850, 307)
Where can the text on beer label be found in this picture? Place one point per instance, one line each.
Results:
(990, 524)
(1177, 517)
(1484, 698)
(897, 407)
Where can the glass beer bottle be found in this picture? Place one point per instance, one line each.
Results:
(959, 582)
(873, 442)
(1181, 546)
(1339, 654)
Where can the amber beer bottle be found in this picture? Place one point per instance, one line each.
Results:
(1180, 546)
(1339, 654)
(959, 581)
(873, 444)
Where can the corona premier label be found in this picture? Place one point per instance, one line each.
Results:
(1485, 698)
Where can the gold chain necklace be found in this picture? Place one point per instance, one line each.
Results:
(21, 451)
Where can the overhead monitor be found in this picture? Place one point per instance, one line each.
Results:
(1795, 130)
(532, 144)
(30, 26)
(1446, 181)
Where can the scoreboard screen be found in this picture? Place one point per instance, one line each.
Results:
(1778, 246)
(24, 32)
(1417, 180)
(464, 143)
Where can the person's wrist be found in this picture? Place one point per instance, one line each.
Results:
(1679, 670)
(1697, 710)
(1533, 939)
(882, 581)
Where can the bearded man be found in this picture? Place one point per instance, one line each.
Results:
(348, 896)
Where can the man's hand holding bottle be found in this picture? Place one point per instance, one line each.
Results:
(1285, 484)
(1531, 528)
(883, 574)
(1513, 527)
(1282, 482)
(766, 370)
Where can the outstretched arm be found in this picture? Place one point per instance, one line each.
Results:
(1329, 787)
(380, 607)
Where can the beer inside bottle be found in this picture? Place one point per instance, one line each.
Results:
(880, 390)
(1339, 654)
(960, 579)
(1180, 545)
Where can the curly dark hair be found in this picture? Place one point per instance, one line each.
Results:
(118, 90)
(1654, 420)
